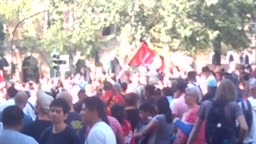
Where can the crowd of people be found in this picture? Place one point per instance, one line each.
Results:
(213, 107)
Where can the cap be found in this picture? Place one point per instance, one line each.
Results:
(211, 81)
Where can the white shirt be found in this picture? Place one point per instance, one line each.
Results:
(27, 109)
(251, 137)
(101, 133)
(7, 103)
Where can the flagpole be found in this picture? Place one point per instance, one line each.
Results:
(124, 68)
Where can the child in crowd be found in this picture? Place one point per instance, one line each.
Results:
(146, 111)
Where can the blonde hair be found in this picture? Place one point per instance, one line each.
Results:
(225, 91)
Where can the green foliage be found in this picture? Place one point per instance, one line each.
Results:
(182, 24)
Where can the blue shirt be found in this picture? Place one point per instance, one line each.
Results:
(9, 136)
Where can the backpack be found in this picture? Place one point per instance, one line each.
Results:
(247, 110)
(219, 129)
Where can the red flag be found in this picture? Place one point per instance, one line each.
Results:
(144, 56)
(161, 68)
(157, 63)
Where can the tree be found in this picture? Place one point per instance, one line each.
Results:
(72, 25)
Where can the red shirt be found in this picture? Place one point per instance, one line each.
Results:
(128, 135)
(116, 98)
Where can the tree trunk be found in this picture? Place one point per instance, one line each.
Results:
(216, 43)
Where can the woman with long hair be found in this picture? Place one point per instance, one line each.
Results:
(210, 110)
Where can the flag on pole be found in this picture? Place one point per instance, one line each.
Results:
(144, 56)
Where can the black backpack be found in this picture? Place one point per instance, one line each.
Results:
(218, 127)
(247, 110)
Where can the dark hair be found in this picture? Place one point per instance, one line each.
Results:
(147, 107)
(107, 85)
(95, 103)
(12, 91)
(167, 91)
(181, 84)
(191, 75)
(117, 111)
(157, 92)
(12, 116)
(164, 108)
(150, 89)
(124, 86)
(81, 91)
(246, 76)
(61, 103)
(131, 99)
(206, 69)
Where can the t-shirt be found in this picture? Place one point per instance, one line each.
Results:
(163, 131)
(67, 136)
(127, 130)
(36, 128)
(74, 120)
(190, 117)
(179, 107)
(132, 116)
(111, 98)
(8, 136)
(27, 120)
(115, 126)
(232, 111)
(101, 133)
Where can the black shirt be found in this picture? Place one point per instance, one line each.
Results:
(67, 136)
(133, 117)
(36, 128)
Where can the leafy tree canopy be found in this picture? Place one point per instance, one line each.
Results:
(181, 25)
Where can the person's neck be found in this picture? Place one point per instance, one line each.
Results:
(192, 81)
(130, 107)
(72, 109)
(16, 128)
(95, 121)
(192, 106)
(57, 128)
(42, 116)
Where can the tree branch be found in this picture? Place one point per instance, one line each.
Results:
(20, 22)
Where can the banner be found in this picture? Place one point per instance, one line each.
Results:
(144, 56)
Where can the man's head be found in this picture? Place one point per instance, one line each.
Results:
(93, 109)
(67, 97)
(149, 90)
(131, 99)
(167, 91)
(206, 71)
(21, 99)
(81, 94)
(12, 117)
(252, 87)
(59, 110)
(180, 87)
(191, 76)
(107, 86)
(43, 102)
(11, 91)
